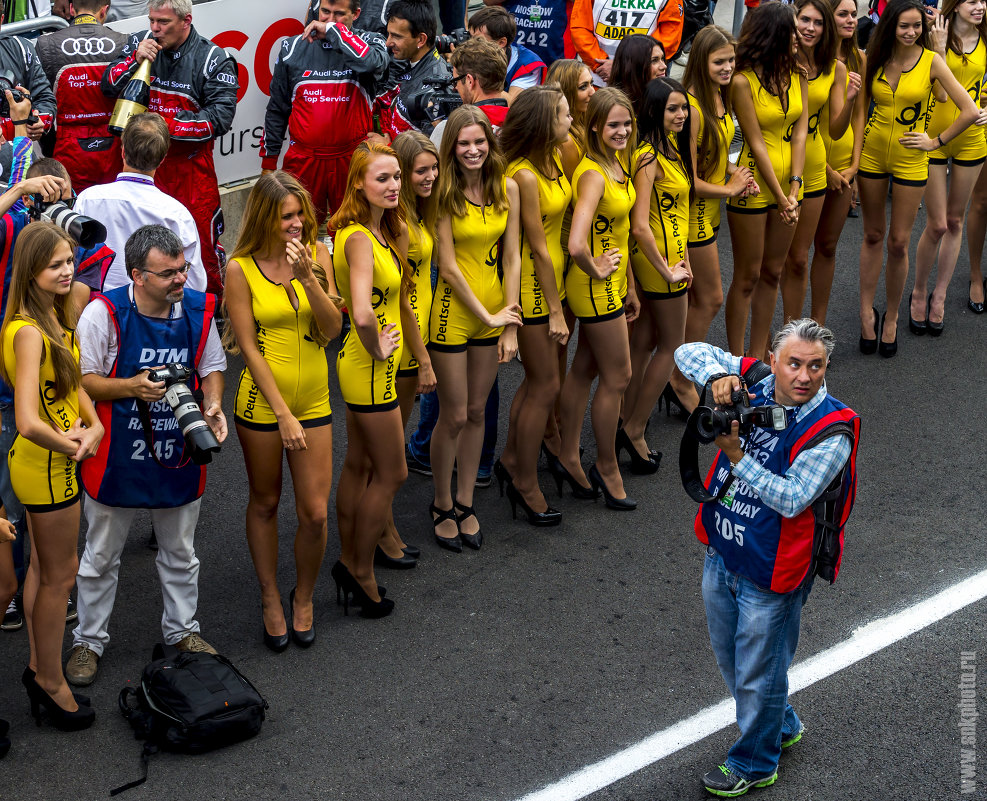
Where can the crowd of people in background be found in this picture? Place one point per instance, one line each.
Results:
(543, 182)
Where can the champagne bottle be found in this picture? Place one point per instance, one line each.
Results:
(134, 99)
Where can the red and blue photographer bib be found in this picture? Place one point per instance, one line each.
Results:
(754, 540)
(123, 472)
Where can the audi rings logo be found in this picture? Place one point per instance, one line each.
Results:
(101, 46)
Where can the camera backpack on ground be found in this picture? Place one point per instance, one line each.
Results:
(190, 703)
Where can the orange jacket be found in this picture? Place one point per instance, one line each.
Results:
(597, 26)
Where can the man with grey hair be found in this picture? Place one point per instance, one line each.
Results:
(779, 500)
(194, 87)
(143, 462)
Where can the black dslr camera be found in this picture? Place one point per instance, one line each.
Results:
(444, 42)
(708, 422)
(84, 230)
(7, 82)
(200, 442)
(435, 100)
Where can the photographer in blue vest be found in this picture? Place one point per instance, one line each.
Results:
(776, 496)
(143, 463)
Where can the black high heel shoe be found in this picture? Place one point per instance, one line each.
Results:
(303, 639)
(502, 475)
(454, 544)
(404, 562)
(561, 475)
(473, 540)
(869, 346)
(550, 517)
(60, 718)
(346, 585)
(412, 550)
(669, 398)
(639, 465)
(935, 329)
(977, 308)
(82, 700)
(276, 642)
(887, 349)
(337, 572)
(918, 327)
(618, 504)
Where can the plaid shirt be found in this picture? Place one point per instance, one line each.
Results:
(812, 470)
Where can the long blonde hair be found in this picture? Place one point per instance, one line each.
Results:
(600, 106)
(260, 229)
(566, 72)
(33, 252)
(452, 200)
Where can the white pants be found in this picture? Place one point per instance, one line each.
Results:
(99, 570)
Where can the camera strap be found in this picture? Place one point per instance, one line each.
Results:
(145, 417)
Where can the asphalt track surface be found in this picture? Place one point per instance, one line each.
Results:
(504, 670)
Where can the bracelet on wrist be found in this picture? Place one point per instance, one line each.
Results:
(941, 143)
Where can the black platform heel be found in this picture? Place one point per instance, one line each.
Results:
(80, 699)
(887, 349)
(303, 639)
(869, 346)
(550, 517)
(618, 504)
(935, 329)
(346, 585)
(502, 475)
(639, 465)
(561, 475)
(474, 541)
(60, 718)
(337, 573)
(670, 398)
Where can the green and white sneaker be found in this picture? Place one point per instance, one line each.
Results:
(793, 739)
(724, 782)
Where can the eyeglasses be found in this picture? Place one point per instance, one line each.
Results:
(456, 79)
(169, 275)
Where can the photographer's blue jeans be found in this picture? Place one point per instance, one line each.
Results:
(754, 633)
(428, 412)
(15, 511)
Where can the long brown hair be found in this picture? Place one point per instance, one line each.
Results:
(355, 209)
(765, 44)
(631, 70)
(954, 42)
(880, 48)
(409, 146)
(260, 230)
(696, 79)
(848, 50)
(33, 252)
(566, 72)
(528, 130)
(824, 53)
(452, 200)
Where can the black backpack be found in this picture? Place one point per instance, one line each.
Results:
(190, 703)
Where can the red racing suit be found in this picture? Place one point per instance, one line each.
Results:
(323, 93)
(194, 88)
(17, 55)
(74, 60)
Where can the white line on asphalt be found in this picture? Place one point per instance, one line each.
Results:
(864, 641)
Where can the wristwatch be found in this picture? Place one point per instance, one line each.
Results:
(797, 178)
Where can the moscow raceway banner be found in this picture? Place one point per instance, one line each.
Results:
(251, 30)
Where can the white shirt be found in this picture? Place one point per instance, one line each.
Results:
(130, 202)
(97, 338)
